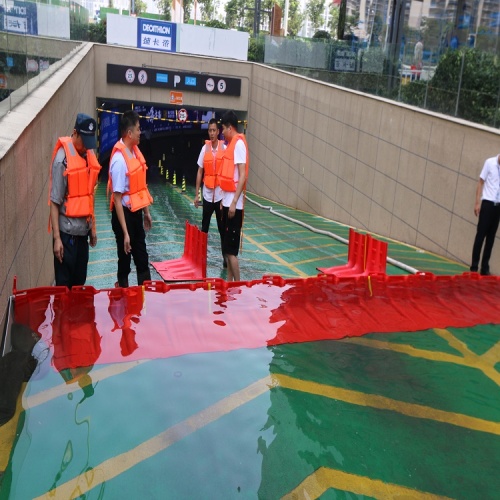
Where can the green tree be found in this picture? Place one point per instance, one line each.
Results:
(186, 7)
(140, 6)
(240, 14)
(333, 22)
(465, 81)
(208, 9)
(322, 35)
(295, 16)
(164, 8)
(97, 32)
(216, 24)
(315, 12)
(256, 49)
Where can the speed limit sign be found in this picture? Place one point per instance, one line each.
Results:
(182, 115)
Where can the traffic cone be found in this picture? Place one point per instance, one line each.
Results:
(161, 167)
(163, 156)
(174, 180)
(166, 174)
(183, 184)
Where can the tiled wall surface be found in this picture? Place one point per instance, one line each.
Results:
(371, 163)
(27, 136)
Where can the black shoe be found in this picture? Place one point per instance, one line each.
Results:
(486, 273)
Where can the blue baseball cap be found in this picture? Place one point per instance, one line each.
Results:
(86, 126)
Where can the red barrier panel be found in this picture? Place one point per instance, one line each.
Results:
(367, 255)
(193, 263)
(355, 256)
(84, 327)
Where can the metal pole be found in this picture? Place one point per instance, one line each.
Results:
(496, 110)
(460, 82)
(285, 20)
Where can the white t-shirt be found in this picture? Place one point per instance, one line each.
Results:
(491, 177)
(240, 156)
(210, 194)
(119, 178)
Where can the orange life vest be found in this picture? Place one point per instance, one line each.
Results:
(139, 196)
(226, 175)
(82, 179)
(212, 164)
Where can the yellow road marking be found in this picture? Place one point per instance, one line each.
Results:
(327, 245)
(63, 389)
(125, 461)
(324, 478)
(385, 403)
(8, 432)
(119, 464)
(282, 261)
(485, 363)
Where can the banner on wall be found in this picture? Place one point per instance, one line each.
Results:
(154, 119)
(19, 17)
(109, 131)
(156, 35)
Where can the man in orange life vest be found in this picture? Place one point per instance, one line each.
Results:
(73, 178)
(130, 199)
(232, 180)
(209, 163)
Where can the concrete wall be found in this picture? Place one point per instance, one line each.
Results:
(364, 161)
(27, 135)
(367, 162)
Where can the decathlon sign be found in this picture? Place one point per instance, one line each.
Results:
(156, 35)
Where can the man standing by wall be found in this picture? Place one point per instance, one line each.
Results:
(130, 198)
(73, 177)
(232, 180)
(209, 164)
(487, 207)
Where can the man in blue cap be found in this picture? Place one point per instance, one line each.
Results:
(73, 178)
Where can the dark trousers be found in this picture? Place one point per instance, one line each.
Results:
(208, 209)
(232, 231)
(135, 228)
(489, 218)
(72, 271)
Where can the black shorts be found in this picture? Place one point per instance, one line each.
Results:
(232, 231)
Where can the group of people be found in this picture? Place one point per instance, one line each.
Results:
(223, 170)
(73, 178)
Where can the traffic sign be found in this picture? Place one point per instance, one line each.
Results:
(182, 115)
(175, 97)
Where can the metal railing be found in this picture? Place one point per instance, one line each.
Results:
(466, 86)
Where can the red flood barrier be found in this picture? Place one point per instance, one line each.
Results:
(85, 326)
(192, 265)
(366, 255)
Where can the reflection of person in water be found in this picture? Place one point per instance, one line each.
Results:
(76, 341)
(125, 306)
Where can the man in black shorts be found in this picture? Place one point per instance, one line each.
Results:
(232, 180)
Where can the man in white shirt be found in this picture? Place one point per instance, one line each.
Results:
(487, 207)
(232, 180)
(130, 216)
(209, 164)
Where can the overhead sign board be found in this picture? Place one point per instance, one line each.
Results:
(171, 79)
(156, 35)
